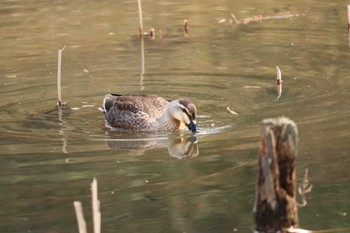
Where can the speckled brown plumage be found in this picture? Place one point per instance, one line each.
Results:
(148, 113)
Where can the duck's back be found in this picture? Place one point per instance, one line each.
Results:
(133, 112)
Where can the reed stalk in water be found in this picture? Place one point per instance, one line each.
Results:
(279, 82)
(95, 207)
(80, 217)
(349, 17)
(96, 214)
(59, 65)
(140, 17)
(185, 27)
(142, 43)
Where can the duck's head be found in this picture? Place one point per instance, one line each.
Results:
(185, 111)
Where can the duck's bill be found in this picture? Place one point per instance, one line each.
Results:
(192, 126)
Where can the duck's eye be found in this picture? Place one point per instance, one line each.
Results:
(185, 110)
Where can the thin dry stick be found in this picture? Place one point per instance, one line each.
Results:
(258, 18)
(142, 43)
(231, 111)
(279, 82)
(297, 230)
(142, 59)
(333, 230)
(80, 217)
(185, 27)
(349, 22)
(140, 17)
(59, 92)
(95, 207)
(349, 16)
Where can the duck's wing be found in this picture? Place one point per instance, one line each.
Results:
(152, 105)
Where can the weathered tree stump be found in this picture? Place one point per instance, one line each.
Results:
(275, 207)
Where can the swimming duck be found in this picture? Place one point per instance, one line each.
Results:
(149, 113)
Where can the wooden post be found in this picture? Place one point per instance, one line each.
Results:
(275, 207)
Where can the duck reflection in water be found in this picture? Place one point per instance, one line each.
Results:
(142, 114)
(179, 146)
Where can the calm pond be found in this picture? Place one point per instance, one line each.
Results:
(169, 182)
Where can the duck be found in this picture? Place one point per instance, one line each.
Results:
(149, 113)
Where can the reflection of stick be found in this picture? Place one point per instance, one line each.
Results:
(140, 17)
(64, 141)
(279, 82)
(80, 217)
(95, 207)
(305, 188)
(64, 126)
(59, 92)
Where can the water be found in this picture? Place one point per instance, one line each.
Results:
(168, 182)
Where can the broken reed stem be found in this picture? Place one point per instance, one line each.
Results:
(279, 82)
(185, 27)
(142, 42)
(348, 10)
(142, 56)
(258, 18)
(348, 16)
(95, 207)
(80, 217)
(59, 64)
(140, 17)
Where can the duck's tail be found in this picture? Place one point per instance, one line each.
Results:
(107, 103)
